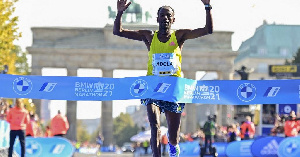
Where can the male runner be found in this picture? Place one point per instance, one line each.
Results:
(164, 45)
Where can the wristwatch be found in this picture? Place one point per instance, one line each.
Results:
(208, 7)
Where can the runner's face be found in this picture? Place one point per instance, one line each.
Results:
(165, 18)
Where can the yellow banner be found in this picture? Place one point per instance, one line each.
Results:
(284, 68)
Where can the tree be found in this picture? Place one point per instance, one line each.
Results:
(124, 128)
(82, 134)
(287, 62)
(21, 64)
(10, 54)
(296, 57)
(95, 134)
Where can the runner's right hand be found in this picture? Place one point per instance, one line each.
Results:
(122, 5)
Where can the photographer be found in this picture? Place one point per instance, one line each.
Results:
(291, 126)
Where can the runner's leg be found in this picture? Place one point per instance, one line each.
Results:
(154, 120)
(173, 121)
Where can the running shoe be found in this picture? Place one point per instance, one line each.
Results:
(174, 151)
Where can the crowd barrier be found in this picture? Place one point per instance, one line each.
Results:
(37, 147)
(4, 134)
(45, 146)
(269, 146)
(174, 89)
(94, 150)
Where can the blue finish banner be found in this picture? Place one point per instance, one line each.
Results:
(266, 146)
(239, 148)
(54, 147)
(289, 147)
(4, 134)
(168, 88)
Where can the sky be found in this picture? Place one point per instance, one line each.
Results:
(241, 17)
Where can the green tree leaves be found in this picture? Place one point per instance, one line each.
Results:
(124, 128)
(296, 59)
(82, 133)
(10, 54)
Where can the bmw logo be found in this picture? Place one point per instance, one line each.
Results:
(246, 92)
(22, 86)
(33, 148)
(289, 147)
(138, 88)
(287, 109)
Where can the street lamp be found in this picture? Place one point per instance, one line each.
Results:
(5, 69)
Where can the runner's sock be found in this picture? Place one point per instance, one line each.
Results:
(174, 151)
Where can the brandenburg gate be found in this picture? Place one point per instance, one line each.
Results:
(98, 48)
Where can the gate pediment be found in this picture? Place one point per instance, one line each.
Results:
(99, 48)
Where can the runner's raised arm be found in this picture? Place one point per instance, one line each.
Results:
(185, 34)
(122, 5)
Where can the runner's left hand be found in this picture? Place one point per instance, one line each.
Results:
(205, 1)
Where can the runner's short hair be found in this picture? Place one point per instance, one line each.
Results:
(166, 7)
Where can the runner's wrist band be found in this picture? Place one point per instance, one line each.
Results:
(208, 7)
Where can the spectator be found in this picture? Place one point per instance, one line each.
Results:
(4, 107)
(247, 129)
(189, 138)
(182, 137)
(77, 146)
(164, 142)
(39, 126)
(291, 126)
(235, 121)
(221, 134)
(136, 147)
(145, 146)
(32, 127)
(59, 125)
(48, 131)
(18, 118)
(200, 137)
(99, 141)
(244, 72)
(232, 133)
(277, 130)
(209, 131)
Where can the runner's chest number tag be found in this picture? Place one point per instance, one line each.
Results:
(164, 64)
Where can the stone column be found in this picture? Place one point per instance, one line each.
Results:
(106, 116)
(226, 75)
(71, 111)
(35, 70)
(190, 109)
(225, 112)
(219, 115)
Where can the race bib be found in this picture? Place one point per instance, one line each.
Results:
(164, 64)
